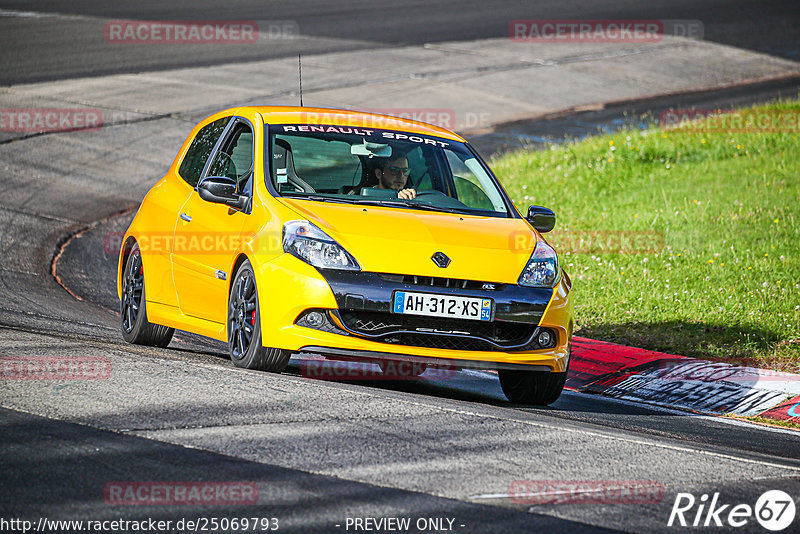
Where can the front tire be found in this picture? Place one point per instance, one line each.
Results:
(244, 327)
(532, 387)
(133, 307)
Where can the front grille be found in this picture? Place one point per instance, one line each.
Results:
(437, 332)
(434, 281)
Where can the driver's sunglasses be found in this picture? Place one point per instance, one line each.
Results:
(398, 170)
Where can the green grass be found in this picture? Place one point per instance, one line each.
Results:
(723, 280)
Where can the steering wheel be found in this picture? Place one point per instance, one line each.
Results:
(429, 192)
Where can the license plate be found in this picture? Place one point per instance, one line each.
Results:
(442, 306)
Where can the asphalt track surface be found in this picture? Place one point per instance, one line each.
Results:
(49, 40)
(571, 125)
(320, 451)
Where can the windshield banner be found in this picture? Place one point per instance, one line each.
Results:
(374, 134)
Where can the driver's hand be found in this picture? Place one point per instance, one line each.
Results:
(407, 194)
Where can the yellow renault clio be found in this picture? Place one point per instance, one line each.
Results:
(349, 235)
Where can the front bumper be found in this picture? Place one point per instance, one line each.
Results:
(298, 287)
(447, 363)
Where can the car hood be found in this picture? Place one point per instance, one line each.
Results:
(402, 241)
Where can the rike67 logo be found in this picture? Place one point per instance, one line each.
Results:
(774, 510)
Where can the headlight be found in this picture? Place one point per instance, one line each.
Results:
(312, 245)
(542, 268)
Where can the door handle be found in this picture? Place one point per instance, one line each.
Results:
(186, 217)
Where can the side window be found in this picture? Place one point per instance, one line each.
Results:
(200, 149)
(235, 157)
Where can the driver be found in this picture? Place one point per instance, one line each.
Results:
(393, 174)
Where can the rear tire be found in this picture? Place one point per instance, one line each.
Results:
(532, 387)
(133, 307)
(244, 327)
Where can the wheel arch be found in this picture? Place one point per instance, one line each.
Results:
(124, 253)
(240, 259)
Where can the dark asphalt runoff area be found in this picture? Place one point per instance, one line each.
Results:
(50, 40)
(319, 452)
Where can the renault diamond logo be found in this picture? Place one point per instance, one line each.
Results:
(441, 259)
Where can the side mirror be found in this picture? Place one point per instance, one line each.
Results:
(541, 218)
(221, 190)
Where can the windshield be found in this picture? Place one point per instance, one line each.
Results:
(384, 167)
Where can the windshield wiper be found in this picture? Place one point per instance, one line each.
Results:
(431, 207)
(407, 204)
(316, 197)
(390, 203)
(371, 202)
